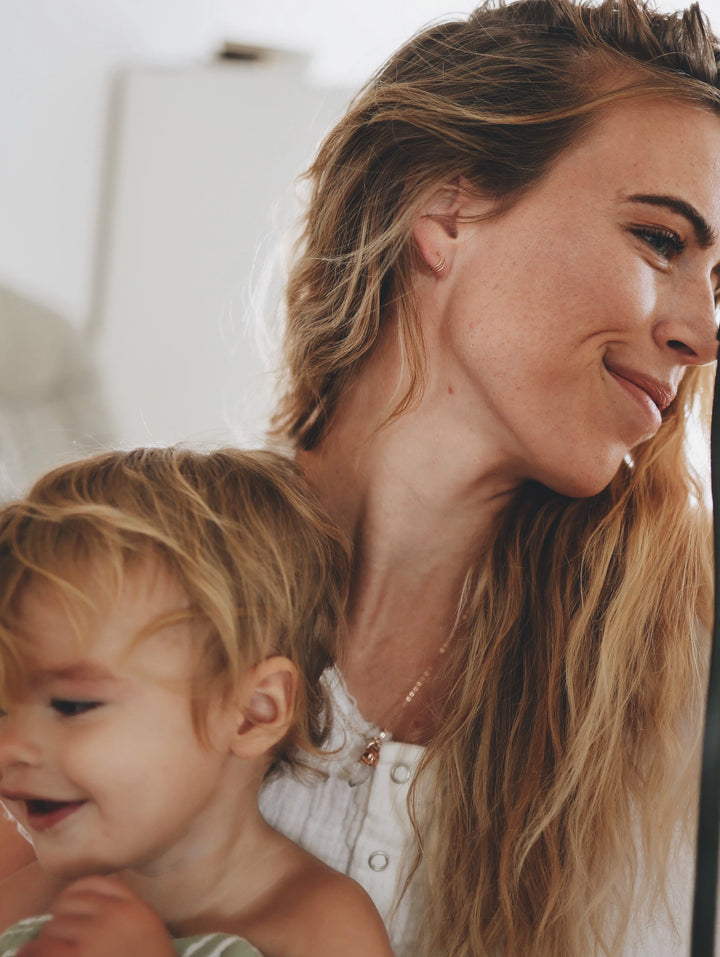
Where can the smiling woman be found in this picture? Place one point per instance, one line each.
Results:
(497, 322)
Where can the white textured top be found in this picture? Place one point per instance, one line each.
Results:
(356, 820)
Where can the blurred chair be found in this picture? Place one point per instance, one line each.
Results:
(51, 404)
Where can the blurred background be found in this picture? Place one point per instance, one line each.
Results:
(149, 153)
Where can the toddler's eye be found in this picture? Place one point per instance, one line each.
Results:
(665, 242)
(69, 708)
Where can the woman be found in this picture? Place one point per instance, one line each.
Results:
(497, 322)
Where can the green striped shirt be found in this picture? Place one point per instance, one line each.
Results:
(204, 945)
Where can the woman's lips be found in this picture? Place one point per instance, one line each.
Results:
(653, 396)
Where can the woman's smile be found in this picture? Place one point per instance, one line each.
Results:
(652, 397)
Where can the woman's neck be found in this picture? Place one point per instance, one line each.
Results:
(414, 487)
(418, 505)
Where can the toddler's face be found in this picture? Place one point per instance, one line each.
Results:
(100, 761)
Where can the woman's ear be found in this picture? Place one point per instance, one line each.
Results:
(268, 707)
(436, 230)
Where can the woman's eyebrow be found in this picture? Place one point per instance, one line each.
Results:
(704, 232)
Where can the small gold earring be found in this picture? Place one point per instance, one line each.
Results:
(439, 265)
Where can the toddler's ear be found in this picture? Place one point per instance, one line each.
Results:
(270, 709)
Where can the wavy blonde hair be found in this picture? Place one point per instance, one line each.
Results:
(568, 755)
(566, 747)
(264, 570)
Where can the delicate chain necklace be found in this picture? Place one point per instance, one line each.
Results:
(371, 754)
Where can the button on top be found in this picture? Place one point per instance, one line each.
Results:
(378, 861)
(400, 773)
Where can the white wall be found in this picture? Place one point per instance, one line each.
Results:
(202, 197)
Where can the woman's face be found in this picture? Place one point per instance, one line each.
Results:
(562, 327)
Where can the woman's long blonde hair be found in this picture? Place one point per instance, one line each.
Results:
(563, 758)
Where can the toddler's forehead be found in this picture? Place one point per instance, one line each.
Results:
(98, 601)
(145, 631)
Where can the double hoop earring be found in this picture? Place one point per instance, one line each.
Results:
(439, 265)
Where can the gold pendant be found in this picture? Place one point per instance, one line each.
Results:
(371, 754)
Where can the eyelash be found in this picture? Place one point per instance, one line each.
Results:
(70, 709)
(655, 236)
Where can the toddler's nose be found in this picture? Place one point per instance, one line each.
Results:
(18, 743)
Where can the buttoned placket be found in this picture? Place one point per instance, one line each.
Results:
(383, 849)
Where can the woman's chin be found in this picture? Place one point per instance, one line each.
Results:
(580, 484)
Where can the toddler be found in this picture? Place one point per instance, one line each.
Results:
(165, 617)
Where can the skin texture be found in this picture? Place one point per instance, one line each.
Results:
(156, 828)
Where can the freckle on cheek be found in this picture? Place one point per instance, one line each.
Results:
(451, 390)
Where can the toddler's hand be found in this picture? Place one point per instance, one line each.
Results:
(100, 917)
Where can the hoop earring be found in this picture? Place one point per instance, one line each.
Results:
(439, 265)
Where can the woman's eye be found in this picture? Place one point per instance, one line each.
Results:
(69, 708)
(665, 242)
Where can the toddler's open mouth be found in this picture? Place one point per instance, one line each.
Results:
(43, 814)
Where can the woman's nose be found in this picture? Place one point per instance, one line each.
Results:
(690, 330)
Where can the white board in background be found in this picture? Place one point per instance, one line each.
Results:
(201, 191)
